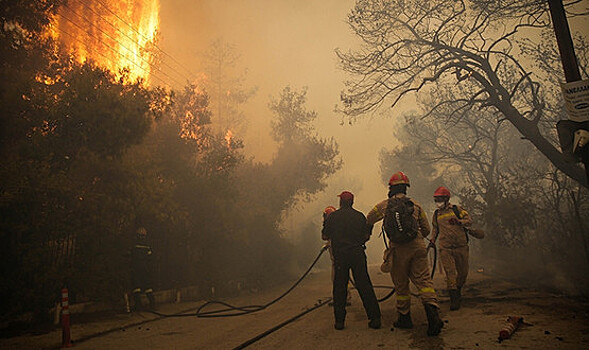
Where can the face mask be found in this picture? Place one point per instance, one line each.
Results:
(440, 205)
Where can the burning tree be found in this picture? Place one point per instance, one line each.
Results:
(116, 34)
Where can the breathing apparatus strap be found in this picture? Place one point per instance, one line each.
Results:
(384, 237)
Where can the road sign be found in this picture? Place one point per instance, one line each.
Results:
(576, 99)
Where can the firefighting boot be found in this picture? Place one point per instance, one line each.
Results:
(454, 299)
(404, 321)
(374, 323)
(151, 299)
(434, 322)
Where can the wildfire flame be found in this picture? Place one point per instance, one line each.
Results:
(116, 34)
(228, 138)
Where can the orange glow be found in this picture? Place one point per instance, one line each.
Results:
(228, 138)
(115, 34)
(190, 127)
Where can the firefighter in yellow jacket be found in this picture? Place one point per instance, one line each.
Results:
(410, 262)
(452, 241)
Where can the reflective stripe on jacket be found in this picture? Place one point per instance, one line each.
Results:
(451, 235)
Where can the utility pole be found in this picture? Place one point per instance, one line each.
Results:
(565, 42)
(571, 133)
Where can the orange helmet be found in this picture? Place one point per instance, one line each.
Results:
(442, 192)
(399, 178)
(329, 210)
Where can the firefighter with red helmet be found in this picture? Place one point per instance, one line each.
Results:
(409, 261)
(452, 241)
(347, 232)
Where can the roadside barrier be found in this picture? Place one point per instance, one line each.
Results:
(66, 338)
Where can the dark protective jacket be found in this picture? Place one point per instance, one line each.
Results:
(347, 230)
(142, 263)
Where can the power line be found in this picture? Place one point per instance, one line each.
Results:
(110, 47)
(101, 54)
(121, 44)
(133, 39)
(136, 31)
(115, 50)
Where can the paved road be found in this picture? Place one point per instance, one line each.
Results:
(558, 322)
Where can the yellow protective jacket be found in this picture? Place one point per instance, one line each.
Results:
(377, 214)
(449, 233)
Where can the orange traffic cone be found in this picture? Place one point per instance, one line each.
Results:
(66, 339)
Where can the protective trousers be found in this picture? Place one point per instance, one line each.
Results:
(356, 261)
(348, 298)
(410, 263)
(455, 264)
(142, 283)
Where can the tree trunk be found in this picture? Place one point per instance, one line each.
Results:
(529, 130)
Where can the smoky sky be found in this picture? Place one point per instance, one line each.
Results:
(287, 42)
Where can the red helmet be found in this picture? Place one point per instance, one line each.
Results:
(399, 178)
(346, 195)
(442, 192)
(329, 210)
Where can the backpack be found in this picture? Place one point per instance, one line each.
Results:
(399, 223)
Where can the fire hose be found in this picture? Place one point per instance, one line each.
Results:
(231, 310)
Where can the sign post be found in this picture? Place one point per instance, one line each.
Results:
(573, 133)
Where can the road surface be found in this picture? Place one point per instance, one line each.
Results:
(557, 322)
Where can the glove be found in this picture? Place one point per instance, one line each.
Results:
(454, 221)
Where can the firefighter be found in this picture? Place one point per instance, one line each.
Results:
(328, 210)
(452, 241)
(142, 270)
(347, 231)
(409, 262)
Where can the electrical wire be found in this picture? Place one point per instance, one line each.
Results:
(136, 31)
(133, 39)
(113, 49)
(106, 57)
